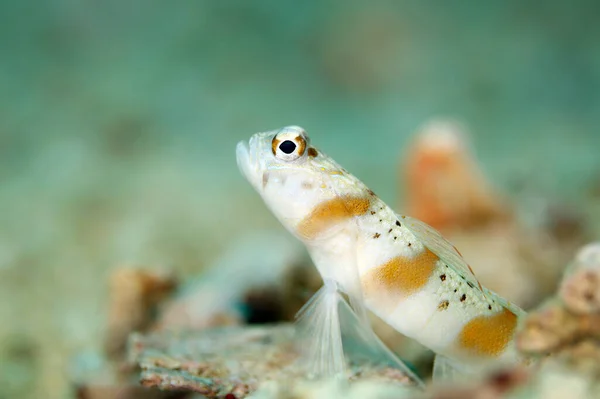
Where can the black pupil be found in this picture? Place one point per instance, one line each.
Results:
(287, 146)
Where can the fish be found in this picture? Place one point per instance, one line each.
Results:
(396, 266)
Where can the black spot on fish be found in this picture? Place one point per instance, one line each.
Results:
(463, 298)
(376, 235)
(398, 223)
(443, 277)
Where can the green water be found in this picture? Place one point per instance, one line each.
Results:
(118, 122)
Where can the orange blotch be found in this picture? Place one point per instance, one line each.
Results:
(488, 335)
(399, 277)
(331, 212)
(407, 275)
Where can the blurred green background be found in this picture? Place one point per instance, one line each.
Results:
(118, 122)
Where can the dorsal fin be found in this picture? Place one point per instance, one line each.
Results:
(436, 243)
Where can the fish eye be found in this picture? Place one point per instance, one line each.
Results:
(289, 144)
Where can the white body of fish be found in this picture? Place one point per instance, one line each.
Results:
(400, 269)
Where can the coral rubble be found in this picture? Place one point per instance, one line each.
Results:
(134, 296)
(568, 326)
(233, 360)
(262, 278)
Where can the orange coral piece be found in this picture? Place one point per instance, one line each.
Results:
(445, 186)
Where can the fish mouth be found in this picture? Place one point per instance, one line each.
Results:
(246, 161)
(242, 155)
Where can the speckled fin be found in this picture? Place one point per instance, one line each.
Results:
(505, 303)
(437, 244)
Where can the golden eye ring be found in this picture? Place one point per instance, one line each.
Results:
(289, 144)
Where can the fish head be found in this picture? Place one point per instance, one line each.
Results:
(291, 175)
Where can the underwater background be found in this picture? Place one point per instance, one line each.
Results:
(119, 120)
